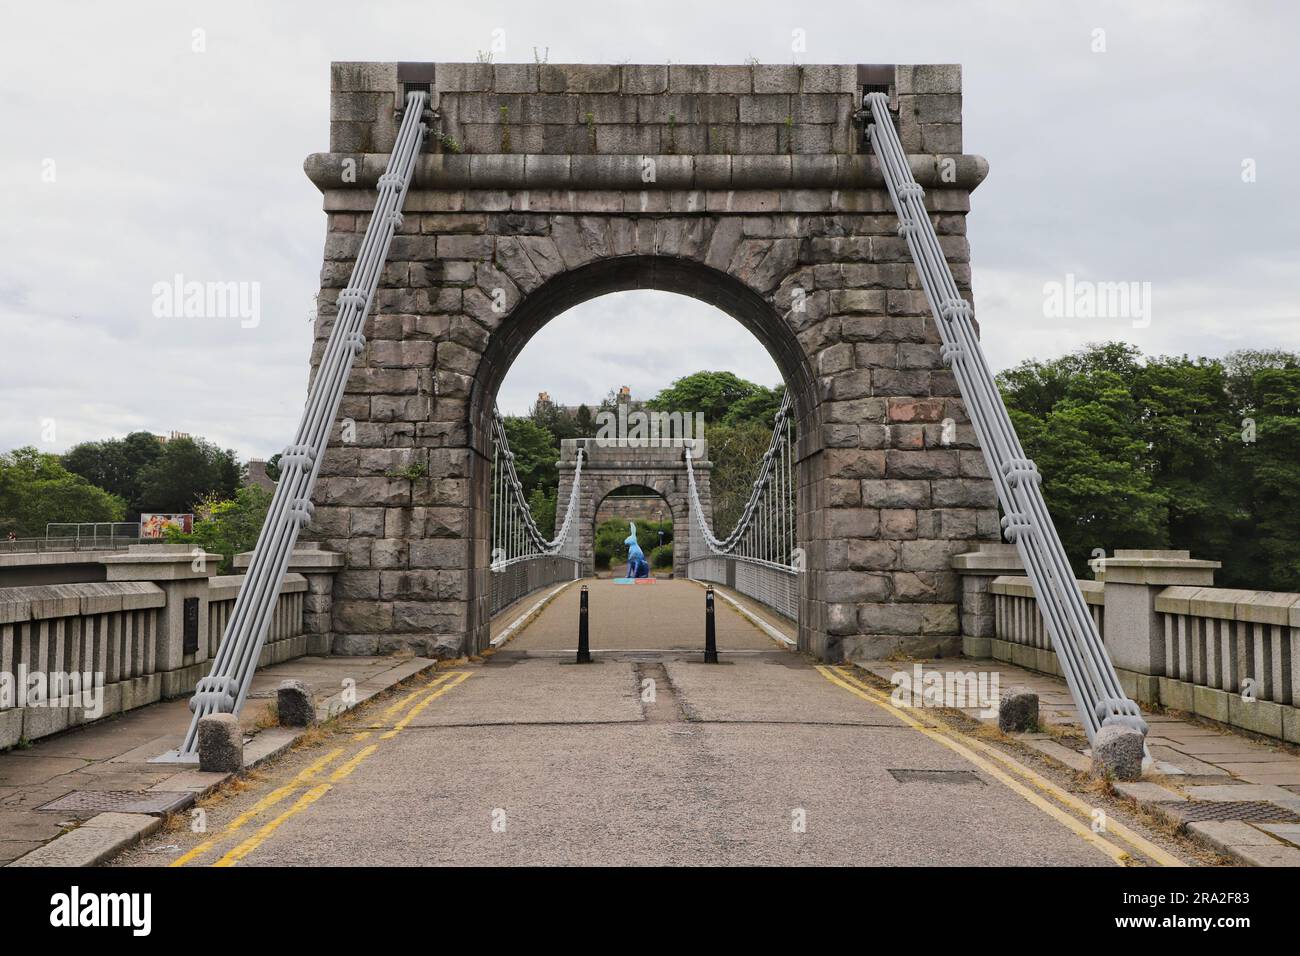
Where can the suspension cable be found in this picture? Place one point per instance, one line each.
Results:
(1087, 667)
(755, 539)
(226, 686)
(522, 538)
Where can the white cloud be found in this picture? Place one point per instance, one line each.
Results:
(1122, 165)
(642, 339)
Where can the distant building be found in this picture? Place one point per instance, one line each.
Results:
(544, 401)
(257, 475)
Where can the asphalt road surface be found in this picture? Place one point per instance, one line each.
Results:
(646, 756)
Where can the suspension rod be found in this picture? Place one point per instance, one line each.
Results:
(1094, 684)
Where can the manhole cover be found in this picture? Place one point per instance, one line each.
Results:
(117, 801)
(1250, 811)
(936, 776)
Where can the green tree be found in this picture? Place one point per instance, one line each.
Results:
(735, 451)
(713, 393)
(1273, 461)
(1078, 419)
(1187, 421)
(536, 454)
(760, 407)
(186, 472)
(115, 463)
(542, 504)
(35, 489)
(584, 422)
(227, 526)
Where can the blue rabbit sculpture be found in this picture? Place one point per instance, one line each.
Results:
(637, 565)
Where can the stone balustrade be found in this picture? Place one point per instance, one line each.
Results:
(144, 628)
(285, 637)
(1229, 655)
(1233, 656)
(1021, 636)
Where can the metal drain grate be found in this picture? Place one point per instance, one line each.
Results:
(118, 801)
(1248, 811)
(937, 776)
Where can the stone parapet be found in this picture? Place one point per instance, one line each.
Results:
(675, 109)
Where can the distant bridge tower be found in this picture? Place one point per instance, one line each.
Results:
(661, 467)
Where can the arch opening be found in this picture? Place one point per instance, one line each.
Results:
(652, 514)
(666, 480)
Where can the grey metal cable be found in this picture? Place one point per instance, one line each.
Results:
(522, 538)
(751, 540)
(1094, 684)
(225, 687)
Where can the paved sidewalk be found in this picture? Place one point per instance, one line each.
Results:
(1199, 770)
(105, 765)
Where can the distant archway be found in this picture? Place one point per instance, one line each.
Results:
(639, 504)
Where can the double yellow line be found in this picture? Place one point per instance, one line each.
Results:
(307, 776)
(1032, 786)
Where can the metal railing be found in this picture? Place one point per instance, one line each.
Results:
(51, 545)
(759, 558)
(523, 559)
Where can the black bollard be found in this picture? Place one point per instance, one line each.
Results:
(710, 634)
(584, 638)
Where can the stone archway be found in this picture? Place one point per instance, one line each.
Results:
(796, 241)
(644, 511)
(659, 467)
(584, 257)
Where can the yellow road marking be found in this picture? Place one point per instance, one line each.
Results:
(195, 853)
(460, 678)
(1135, 840)
(440, 686)
(1105, 846)
(344, 771)
(401, 704)
(271, 799)
(258, 838)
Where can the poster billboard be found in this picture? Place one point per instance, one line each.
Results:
(152, 525)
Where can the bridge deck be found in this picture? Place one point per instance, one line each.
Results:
(667, 615)
(645, 756)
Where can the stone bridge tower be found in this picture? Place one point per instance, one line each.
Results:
(748, 187)
(659, 466)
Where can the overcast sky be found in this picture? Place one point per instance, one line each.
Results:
(1122, 165)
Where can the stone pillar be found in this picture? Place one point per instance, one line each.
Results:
(318, 566)
(1133, 634)
(182, 571)
(978, 568)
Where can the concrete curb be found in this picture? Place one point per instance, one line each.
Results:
(105, 835)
